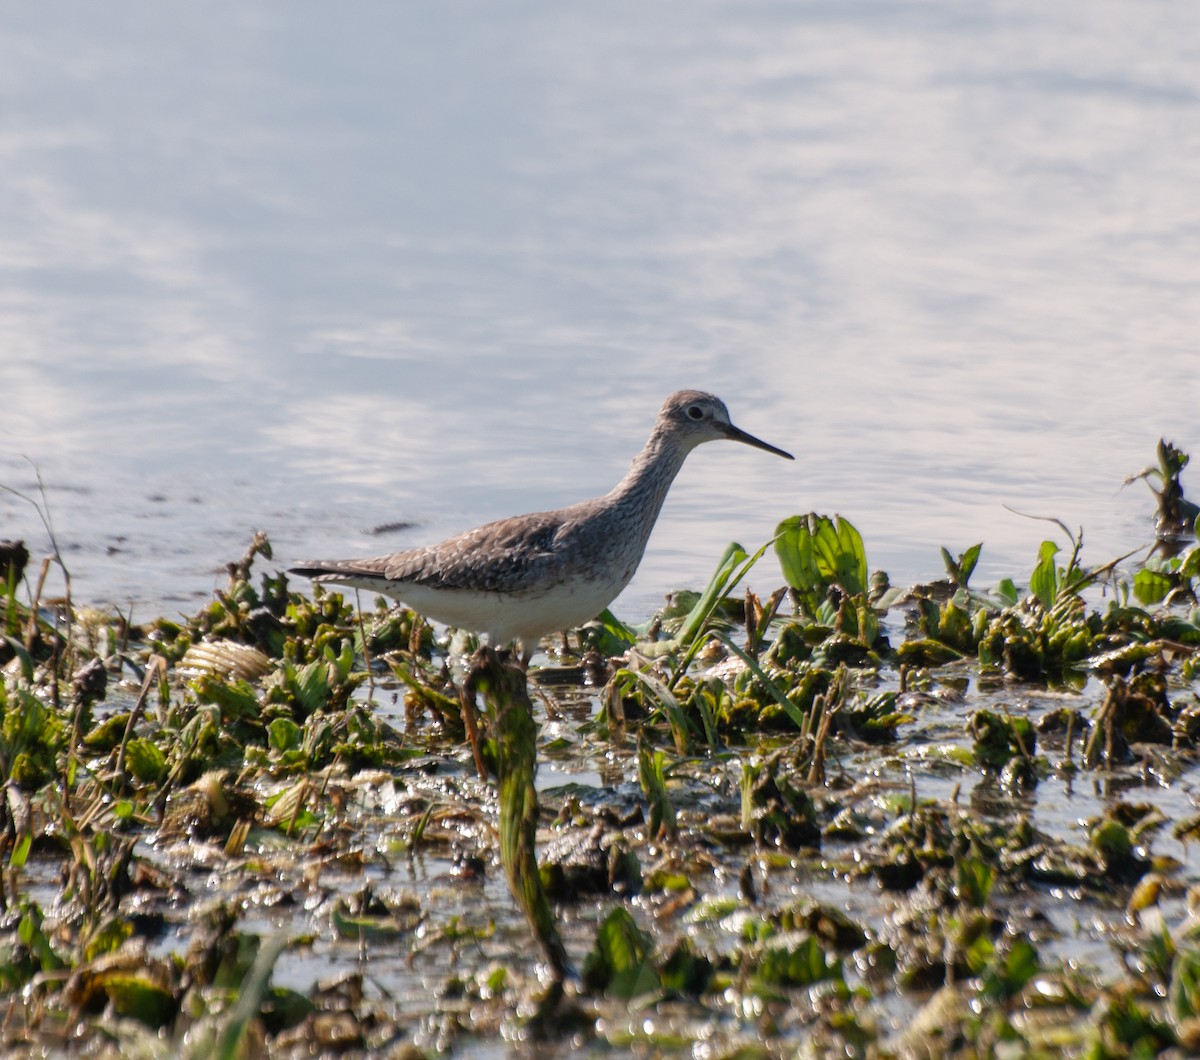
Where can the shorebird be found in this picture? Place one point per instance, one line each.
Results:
(522, 578)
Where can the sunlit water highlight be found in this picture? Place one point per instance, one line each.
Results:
(315, 271)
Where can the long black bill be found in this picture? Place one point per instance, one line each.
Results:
(736, 434)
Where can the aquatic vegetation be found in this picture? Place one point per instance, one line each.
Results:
(776, 809)
(652, 775)
(824, 563)
(884, 821)
(620, 962)
(511, 752)
(1176, 515)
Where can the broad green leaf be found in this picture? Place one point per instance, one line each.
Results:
(620, 962)
(1043, 582)
(815, 552)
(794, 959)
(284, 734)
(312, 685)
(616, 636)
(1007, 975)
(969, 559)
(1189, 566)
(1151, 586)
(1006, 590)
(237, 699)
(853, 575)
(145, 760)
(34, 938)
(793, 546)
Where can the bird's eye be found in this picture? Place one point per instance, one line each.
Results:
(695, 412)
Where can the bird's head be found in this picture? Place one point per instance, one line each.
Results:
(695, 417)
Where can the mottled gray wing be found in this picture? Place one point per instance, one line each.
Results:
(503, 556)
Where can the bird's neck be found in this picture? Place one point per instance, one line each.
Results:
(650, 476)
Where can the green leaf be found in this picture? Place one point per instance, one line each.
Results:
(378, 926)
(734, 566)
(653, 780)
(662, 697)
(1183, 995)
(975, 879)
(1189, 566)
(20, 852)
(250, 993)
(108, 937)
(967, 562)
(1151, 586)
(340, 665)
(951, 566)
(713, 910)
(18, 649)
(796, 959)
(713, 592)
(794, 548)
(1008, 973)
(1007, 591)
(620, 961)
(237, 699)
(816, 552)
(853, 575)
(108, 734)
(795, 713)
(1044, 580)
(312, 685)
(283, 734)
(145, 760)
(33, 938)
(611, 635)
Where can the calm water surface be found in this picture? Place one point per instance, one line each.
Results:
(316, 270)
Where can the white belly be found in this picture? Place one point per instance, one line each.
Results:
(506, 617)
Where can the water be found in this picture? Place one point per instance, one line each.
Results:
(313, 271)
